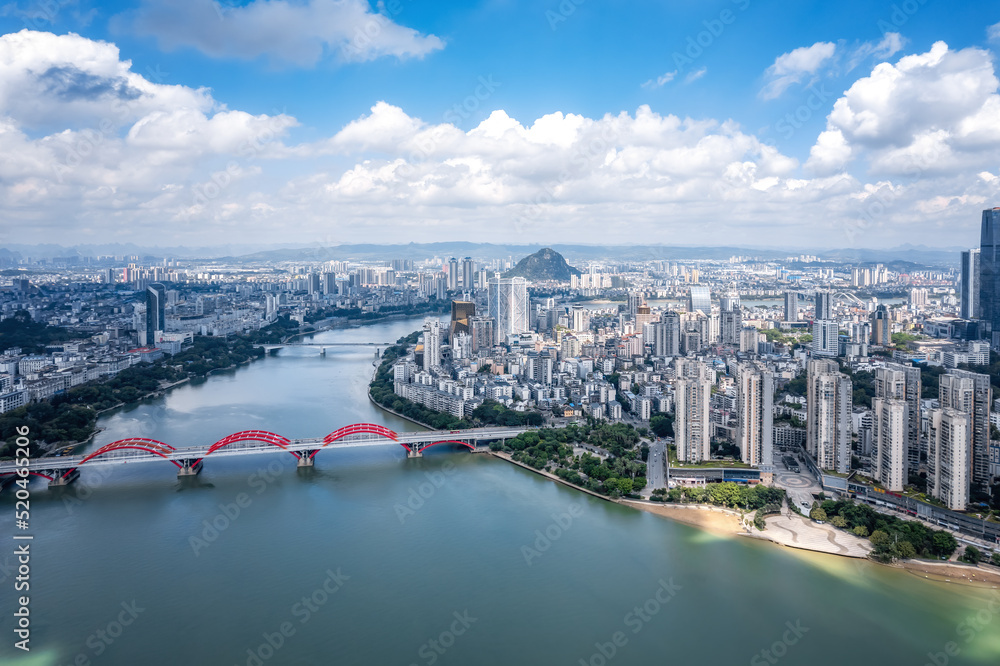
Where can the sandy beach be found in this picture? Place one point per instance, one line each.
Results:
(954, 573)
(710, 519)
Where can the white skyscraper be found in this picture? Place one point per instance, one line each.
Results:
(970, 392)
(902, 382)
(828, 420)
(826, 338)
(791, 306)
(693, 393)
(667, 335)
(508, 305)
(432, 343)
(948, 435)
(889, 457)
(754, 403)
(748, 340)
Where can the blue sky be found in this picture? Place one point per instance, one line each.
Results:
(744, 92)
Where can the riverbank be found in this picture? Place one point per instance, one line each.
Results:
(725, 522)
(548, 475)
(389, 410)
(714, 519)
(954, 572)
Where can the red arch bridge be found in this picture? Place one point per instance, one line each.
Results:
(63, 470)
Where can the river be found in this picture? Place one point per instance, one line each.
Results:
(453, 559)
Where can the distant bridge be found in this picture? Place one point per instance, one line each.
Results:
(269, 347)
(63, 470)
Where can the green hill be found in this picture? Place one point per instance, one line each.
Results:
(546, 264)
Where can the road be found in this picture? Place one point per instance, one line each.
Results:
(656, 468)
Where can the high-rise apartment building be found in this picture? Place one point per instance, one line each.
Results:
(432, 343)
(791, 306)
(692, 395)
(481, 330)
(635, 300)
(896, 381)
(749, 337)
(826, 338)
(970, 392)
(754, 408)
(667, 335)
(828, 420)
(468, 274)
(454, 274)
(508, 306)
(730, 324)
(948, 435)
(730, 301)
(579, 318)
(889, 465)
(824, 305)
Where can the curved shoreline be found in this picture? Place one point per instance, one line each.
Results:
(708, 522)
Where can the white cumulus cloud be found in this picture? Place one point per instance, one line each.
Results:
(296, 33)
(790, 68)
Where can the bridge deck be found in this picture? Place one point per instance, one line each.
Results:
(251, 447)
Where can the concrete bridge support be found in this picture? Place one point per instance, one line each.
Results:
(190, 468)
(415, 452)
(58, 480)
(306, 458)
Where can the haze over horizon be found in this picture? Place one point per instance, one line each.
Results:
(202, 123)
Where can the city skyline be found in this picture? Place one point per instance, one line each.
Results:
(389, 124)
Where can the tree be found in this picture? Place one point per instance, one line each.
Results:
(972, 555)
(906, 550)
(861, 531)
(943, 544)
(880, 540)
(662, 425)
(818, 514)
(838, 521)
(996, 559)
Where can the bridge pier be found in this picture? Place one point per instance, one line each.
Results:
(306, 458)
(58, 480)
(190, 468)
(415, 452)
